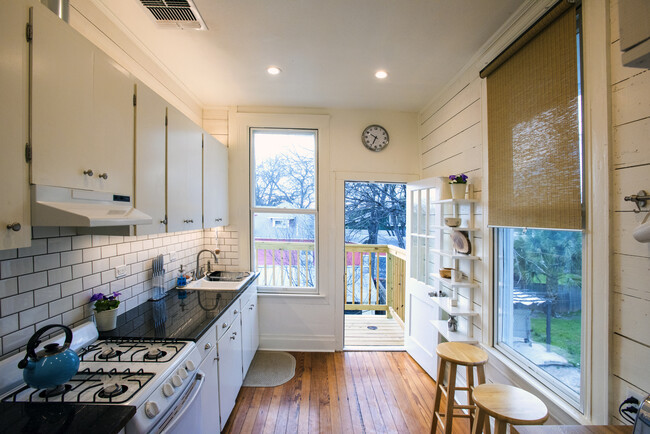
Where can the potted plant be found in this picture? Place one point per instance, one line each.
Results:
(106, 310)
(458, 184)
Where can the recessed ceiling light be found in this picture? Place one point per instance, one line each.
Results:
(381, 74)
(273, 70)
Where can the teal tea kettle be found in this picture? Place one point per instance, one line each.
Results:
(54, 365)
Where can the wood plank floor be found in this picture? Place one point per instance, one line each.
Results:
(387, 332)
(343, 392)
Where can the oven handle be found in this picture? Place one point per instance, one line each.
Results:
(183, 404)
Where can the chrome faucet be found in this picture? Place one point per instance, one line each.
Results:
(198, 273)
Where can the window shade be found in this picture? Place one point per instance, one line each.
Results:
(534, 163)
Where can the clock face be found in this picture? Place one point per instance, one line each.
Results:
(375, 138)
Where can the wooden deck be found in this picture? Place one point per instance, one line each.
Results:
(388, 332)
(343, 392)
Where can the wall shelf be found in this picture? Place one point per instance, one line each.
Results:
(464, 283)
(441, 326)
(463, 308)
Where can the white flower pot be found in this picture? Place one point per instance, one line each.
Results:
(458, 191)
(106, 320)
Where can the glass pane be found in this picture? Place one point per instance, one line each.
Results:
(285, 169)
(284, 250)
(422, 211)
(539, 284)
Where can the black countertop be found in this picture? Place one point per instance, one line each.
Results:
(55, 418)
(185, 315)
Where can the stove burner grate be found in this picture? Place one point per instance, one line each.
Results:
(113, 390)
(61, 389)
(155, 354)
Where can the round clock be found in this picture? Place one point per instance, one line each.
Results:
(375, 137)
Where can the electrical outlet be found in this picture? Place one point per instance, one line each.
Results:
(631, 393)
(120, 271)
(172, 256)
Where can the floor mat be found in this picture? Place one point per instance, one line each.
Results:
(270, 369)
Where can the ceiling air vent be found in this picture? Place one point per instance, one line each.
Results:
(175, 14)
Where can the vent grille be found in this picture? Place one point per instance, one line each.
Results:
(175, 14)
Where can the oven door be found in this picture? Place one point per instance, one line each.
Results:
(185, 416)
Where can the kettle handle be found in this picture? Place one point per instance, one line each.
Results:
(34, 341)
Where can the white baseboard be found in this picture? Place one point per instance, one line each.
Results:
(321, 343)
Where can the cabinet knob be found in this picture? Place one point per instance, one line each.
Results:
(218, 220)
(236, 312)
(88, 172)
(103, 175)
(251, 307)
(232, 338)
(164, 222)
(14, 226)
(208, 346)
(224, 325)
(188, 221)
(234, 333)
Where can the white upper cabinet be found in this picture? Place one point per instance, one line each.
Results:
(150, 168)
(184, 173)
(82, 111)
(215, 182)
(14, 211)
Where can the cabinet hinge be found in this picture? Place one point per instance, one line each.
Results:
(28, 152)
(135, 100)
(165, 120)
(29, 32)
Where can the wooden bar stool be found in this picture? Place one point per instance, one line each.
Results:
(507, 405)
(454, 354)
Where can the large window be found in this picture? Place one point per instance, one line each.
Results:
(284, 208)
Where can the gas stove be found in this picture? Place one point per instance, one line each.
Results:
(132, 350)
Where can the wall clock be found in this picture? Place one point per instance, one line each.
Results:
(375, 137)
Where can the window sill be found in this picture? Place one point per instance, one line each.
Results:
(559, 409)
(314, 298)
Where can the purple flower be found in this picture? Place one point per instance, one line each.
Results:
(116, 294)
(98, 296)
(452, 177)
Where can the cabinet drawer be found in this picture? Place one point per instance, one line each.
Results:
(207, 342)
(227, 318)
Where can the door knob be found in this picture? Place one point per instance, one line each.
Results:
(14, 226)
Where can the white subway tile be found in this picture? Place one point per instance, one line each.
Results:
(100, 265)
(67, 231)
(143, 255)
(8, 254)
(116, 261)
(38, 247)
(17, 339)
(46, 295)
(92, 254)
(108, 276)
(117, 285)
(72, 316)
(16, 267)
(16, 303)
(82, 242)
(60, 244)
(130, 280)
(100, 240)
(30, 282)
(147, 244)
(8, 324)
(57, 307)
(137, 267)
(59, 275)
(136, 246)
(32, 316)
(8, 287)
(81, 270)
(56, 319)
(115, 239)
(81, 298)
(131, 258)
(92, 281)
(44, 231)
(108, 251)
(71, 287)
(123, 248)
(71, 258)
(47, 262)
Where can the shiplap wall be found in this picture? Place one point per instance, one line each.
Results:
(630, 295)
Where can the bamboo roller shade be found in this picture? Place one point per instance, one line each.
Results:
(534, 165)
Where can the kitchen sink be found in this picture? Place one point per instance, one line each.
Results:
(227, 276)
(227, 281)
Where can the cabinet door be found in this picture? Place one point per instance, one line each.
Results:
(150, 168)
(210, 393)
(230, 369)
(184, 173)
(62, 102)
(112, 140)
(13, 124)
(215, 182)
(250, 332)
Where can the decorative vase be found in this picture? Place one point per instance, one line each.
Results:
(106, 320)
(458, 191)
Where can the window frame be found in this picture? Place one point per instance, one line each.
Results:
(253, 209)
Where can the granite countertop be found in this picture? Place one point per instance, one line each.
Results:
(54, 418)
(181, 314)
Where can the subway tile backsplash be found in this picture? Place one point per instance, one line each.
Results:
(52, 280)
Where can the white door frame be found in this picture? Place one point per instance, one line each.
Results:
(339, 235)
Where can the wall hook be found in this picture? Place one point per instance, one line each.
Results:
(640, 199)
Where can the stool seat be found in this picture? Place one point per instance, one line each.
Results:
(462, 354)
(510, 404)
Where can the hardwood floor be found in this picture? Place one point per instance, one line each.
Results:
(343, 392)
(387, 331)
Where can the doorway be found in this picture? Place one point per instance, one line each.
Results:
(374, 270)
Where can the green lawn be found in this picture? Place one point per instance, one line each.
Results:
(565, 334)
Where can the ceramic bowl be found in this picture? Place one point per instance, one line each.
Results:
(452, 222)
(445, 273)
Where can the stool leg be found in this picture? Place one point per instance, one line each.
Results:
(480, 374)
(436, 404)
(480, 420)
(451, 392)
(499, 426)
(470, 389)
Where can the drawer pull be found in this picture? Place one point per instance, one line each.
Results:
(103, 176)
(89, 172)
(232, 338)
(208, 346)
(236, 312)
(224, 325)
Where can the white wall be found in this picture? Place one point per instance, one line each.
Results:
(295, 322)
(630, 172)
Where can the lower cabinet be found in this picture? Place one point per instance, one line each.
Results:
(230, 368)
(250, 331)
(210, 393)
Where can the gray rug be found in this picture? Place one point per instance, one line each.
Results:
(270, 369)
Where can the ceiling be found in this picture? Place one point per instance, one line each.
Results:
(328, 50)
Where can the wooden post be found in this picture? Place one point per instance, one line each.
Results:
(389, 284)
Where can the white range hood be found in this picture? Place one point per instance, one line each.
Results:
(58, 206)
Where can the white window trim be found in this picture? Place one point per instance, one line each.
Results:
(596, 248)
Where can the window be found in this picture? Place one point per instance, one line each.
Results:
(284, 209)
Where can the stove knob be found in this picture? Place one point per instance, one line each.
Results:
(151, 409)
(182, 372)
(167, 390)
(190, 366)
(176, 381)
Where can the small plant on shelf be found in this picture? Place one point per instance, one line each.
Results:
(458, 179)
(105, 302)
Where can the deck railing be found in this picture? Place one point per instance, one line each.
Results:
(375, 278)
(285, 263)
